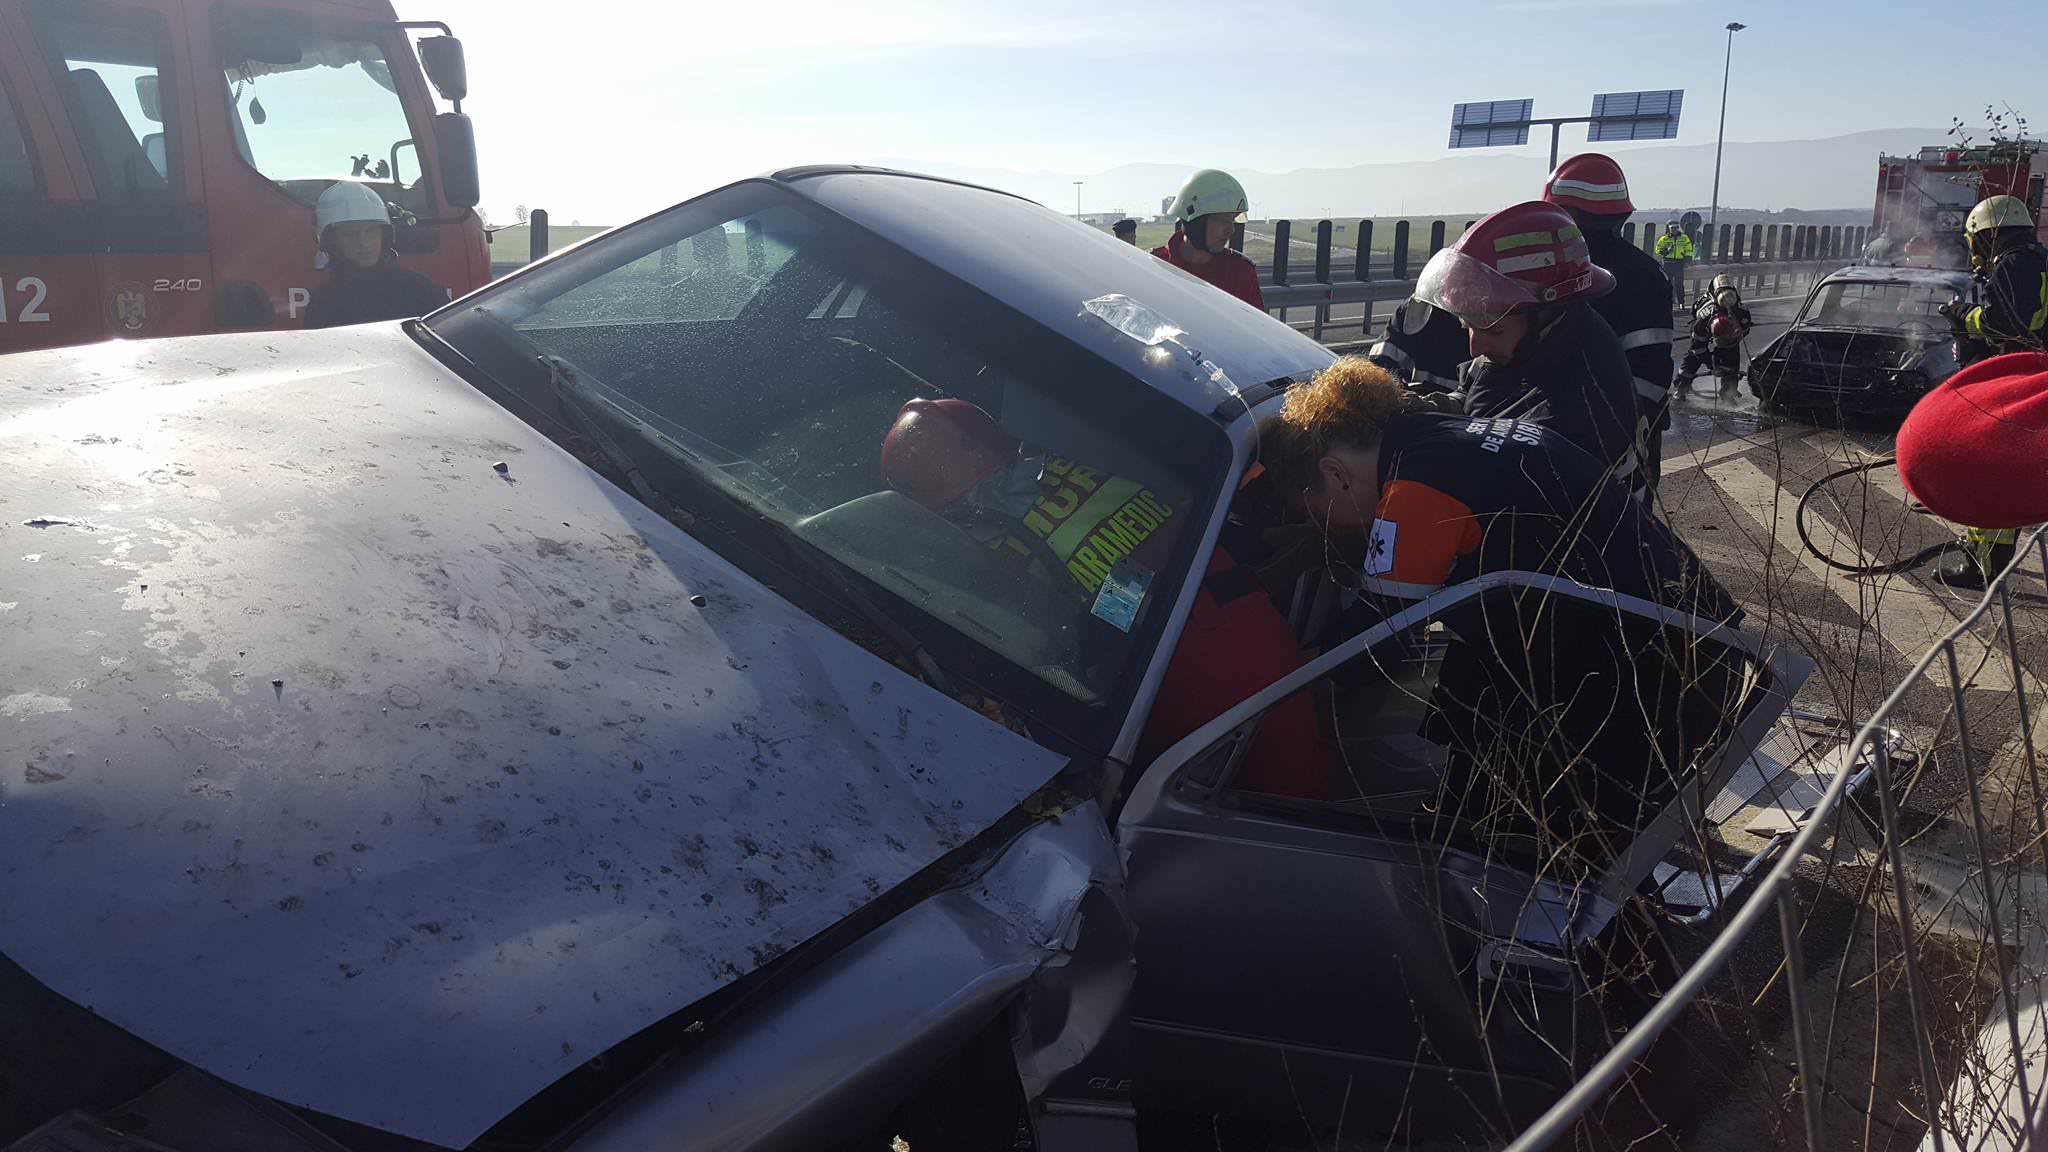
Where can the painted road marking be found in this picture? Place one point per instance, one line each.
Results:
(1906, 617)
(1734, 446)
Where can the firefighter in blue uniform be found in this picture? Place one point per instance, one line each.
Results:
(1593, 189)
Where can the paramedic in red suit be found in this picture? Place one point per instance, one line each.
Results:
(1209, 208)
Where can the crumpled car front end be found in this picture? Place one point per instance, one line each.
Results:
(1852, 370)
(956, 1014)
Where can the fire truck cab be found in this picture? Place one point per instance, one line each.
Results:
(160, 160)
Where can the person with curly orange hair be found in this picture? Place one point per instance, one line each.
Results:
(1412, 500)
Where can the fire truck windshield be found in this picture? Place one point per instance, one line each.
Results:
(310, 104)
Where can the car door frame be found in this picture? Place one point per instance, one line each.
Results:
(1529, 928)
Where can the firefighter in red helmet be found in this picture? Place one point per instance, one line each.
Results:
(1594, 191)
(1521, 282)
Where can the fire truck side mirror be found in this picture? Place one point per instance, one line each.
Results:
(441, 56)
(455, 140)
(148, 98)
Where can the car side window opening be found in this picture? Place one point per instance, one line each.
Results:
(1037, 504)
(16, 176)
(311, 104)
(1447, 732)
(120, 102)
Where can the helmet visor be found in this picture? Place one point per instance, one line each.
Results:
(1476, 293)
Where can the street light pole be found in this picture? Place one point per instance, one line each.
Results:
(1077, 199)
(1714, 206)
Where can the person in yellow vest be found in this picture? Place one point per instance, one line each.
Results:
(1675, 248)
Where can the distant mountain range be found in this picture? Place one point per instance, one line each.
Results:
(1832, 173)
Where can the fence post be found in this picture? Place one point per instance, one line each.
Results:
(1735, 256)
(1862, 239)
(1628, 233)
(1361, 268)
(1797, 242)
(1436, 237)
(757, 250)
(1323, 230)
(1400, 249)
(537, 234)
(1283, 233)
(1237, 238)
(1770, 249)
(1756, 241)
(1721, 249)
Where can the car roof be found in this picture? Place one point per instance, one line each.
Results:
(1048, 266)
(1889, 274)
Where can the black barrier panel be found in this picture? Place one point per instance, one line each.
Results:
(1361, 268)
(1283, 233)
(1628, 233)
(1400, 249)
(1237, 238)
(1436, 237)
(1770, 249)
(537, 233)
(1756, 241)
(1736, 254)
(1323, 228)
(1721, 247)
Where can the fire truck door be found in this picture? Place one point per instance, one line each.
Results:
(48, 274)
(129, 108)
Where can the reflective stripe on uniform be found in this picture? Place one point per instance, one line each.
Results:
(1392, 352)
(1381, 586)
(2039, 320)
(1650, 390)
(1644, 337)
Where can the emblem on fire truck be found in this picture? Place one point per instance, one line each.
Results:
(131, 307)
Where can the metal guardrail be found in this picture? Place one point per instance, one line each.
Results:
(1872, 751)
(1749, 250)
(1283, 298)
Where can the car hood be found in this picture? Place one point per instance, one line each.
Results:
(365, 749)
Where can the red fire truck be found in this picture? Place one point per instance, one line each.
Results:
(160, 159)
(1929, 195)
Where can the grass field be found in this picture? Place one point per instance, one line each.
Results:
(512, 245)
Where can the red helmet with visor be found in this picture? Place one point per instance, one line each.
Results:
(1592, 184)
(1521, 257)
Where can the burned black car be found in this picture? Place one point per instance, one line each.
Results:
(1869, 341)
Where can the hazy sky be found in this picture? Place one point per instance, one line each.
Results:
(606, 109)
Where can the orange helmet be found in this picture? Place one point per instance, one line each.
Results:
(1589, 183)
(937, 451)
(1524, 256)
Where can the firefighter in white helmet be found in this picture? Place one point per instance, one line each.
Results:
(1209, 208)
(364, 282)
(2012, 268)
(1719, 323)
